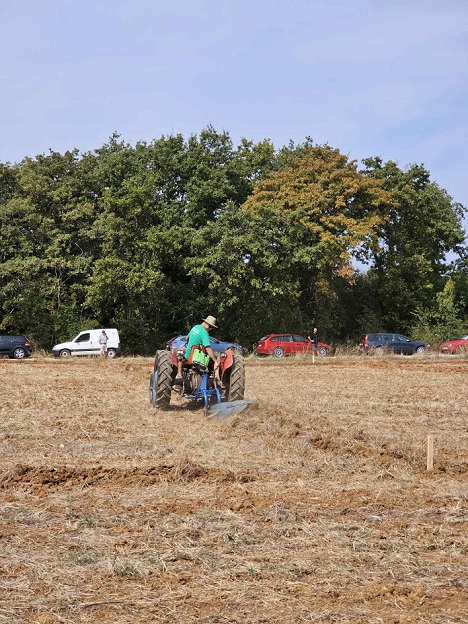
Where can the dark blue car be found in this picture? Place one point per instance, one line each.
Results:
(16, 347)
(378, 344)
(218, 346)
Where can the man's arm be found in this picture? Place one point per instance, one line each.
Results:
(212, 355)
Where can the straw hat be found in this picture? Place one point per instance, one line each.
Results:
(211, 321)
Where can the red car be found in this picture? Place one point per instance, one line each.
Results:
(280, 345)
(460, 345)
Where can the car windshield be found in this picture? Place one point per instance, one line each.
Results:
(465, 337)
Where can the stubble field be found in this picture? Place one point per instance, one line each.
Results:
(313, 506)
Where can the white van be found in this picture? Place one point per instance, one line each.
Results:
(87, 343)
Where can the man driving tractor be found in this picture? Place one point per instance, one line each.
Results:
(195, 373)
(198, 337)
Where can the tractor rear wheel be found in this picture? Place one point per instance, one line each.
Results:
(161, 380)
(235, 384)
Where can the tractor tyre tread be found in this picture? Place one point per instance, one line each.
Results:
(163, 374)
(237, 379)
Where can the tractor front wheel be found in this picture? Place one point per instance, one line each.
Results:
(161, 380)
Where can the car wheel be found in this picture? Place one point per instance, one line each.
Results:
(19, 353)
(322, 351)
(65, 353)
(420, 350)
(278, 352)
(379, 351)
(460, 350)
(111, 353)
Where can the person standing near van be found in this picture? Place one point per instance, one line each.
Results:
(103, 343)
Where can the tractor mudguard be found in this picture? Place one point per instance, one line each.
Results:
(226, 362)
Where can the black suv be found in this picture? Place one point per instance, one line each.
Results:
(379, 344)
(16, 347)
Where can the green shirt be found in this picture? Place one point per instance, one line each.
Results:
(198, 335)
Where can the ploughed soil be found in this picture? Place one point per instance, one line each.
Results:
(314, 505)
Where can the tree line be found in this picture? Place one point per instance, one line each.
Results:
(150, 238)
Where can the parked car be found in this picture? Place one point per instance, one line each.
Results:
(378, 344)
(218, 346)
(87, 343)
(16, 347)
(460, 345)
(280, 345)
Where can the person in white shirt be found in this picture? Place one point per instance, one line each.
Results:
(103, 343)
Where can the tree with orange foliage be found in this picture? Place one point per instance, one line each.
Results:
(318, 212)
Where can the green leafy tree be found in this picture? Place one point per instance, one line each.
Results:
(236, 268)
(149, 220)
(443, 321)
(459, 275)
(422, 225)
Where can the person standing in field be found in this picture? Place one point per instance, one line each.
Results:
(103, 343)
(312, 337)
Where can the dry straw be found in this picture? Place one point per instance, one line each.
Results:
(315, 507)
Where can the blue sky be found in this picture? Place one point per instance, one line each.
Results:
(371, 78)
